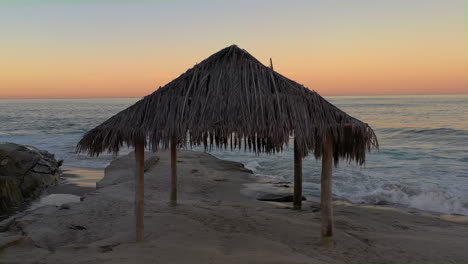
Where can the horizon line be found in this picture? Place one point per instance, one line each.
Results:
(131, 97)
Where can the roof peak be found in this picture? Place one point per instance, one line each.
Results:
(230, 51)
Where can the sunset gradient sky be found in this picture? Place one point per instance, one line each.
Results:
(118, 48)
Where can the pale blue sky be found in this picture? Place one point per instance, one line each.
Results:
(307, 39)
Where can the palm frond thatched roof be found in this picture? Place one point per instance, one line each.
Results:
(232, 100)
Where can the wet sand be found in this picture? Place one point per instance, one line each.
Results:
(73, 181)
(218, 220)
(73, 187)
(77, 181)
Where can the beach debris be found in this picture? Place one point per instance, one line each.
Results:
(150, 162)
(315, 208)
(281, 182)
(107, 248)
(76, 227)
(64, 206)
(275, 197)
(220, 179)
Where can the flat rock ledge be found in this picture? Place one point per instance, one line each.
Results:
(25, 172)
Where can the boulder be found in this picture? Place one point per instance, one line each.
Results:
(10, 192)
(25, 172)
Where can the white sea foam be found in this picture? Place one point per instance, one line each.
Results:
(254, 166)
(438, 202)
(435, 200)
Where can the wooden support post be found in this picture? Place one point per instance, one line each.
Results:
(174, 173)
(326, 189)
(297, 197)
(139, 190)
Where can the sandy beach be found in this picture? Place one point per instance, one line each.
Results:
(327, 132)
(218, 220)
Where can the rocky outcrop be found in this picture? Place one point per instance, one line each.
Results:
(24, 173)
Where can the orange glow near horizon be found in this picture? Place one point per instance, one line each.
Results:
(418, 53)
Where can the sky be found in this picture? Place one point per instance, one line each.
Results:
(122, 48)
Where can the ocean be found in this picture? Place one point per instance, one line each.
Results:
(422, 162)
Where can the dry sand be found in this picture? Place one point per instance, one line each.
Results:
(215, 222)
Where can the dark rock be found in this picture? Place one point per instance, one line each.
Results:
(246, 170)
(382, 202)
(64, 206)
(281, 182)
(16, 159)
(221, 180)
(10, 192)
(45, 167)
(315, 209)
(76, 227)
(149, 163)
(107, 248)
(24, 173)
(275, 197)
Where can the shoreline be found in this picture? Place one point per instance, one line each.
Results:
(73, 181)
(77, 181)
(268, 185)
(216, 222)
(81, 180)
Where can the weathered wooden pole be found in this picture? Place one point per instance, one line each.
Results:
(326, 189)
(139, 190)
(297, 197)
(173, 172)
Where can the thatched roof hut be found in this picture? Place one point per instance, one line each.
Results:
(231, 100)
